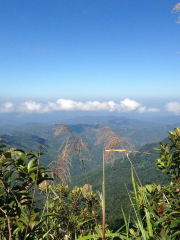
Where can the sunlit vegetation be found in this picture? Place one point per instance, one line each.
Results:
(36, 202)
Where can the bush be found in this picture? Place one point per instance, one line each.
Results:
(20, 173)
(159, 206)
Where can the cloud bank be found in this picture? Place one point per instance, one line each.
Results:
(126, 105)
(173, 107)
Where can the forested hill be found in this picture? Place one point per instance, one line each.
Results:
(30, 136)
(32, 143)
(118, 175)
(141, 132)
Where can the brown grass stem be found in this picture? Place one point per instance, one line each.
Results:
(134, 169)
(103, 202)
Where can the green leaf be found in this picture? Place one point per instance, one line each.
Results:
(22, 219)
(174, 212)
(106, 235)
(125, 220)
(8, 175)
(33, 216)
(2, 146)
(55, 194)
(153, 223)
(7, 155)
(11, 204)
(20, 225)
(11, 179)
(22, 169)
(22, 191)
(31, 155)
(174, 223)
(46, 234)
(49, 214)
(33, 176)
(176, 233)
(18, 150)
(162, 220)
(22, 157)
(23, 212)
(149, 225)
(153, 211)
(16, 231)
(33, 169)
(30, 164)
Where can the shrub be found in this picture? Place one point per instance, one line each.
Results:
(20, 173)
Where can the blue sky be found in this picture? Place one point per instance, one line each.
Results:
(86, 51)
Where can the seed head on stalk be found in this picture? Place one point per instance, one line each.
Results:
(111, 141)
(71, 144)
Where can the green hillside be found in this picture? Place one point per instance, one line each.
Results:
(28, 143)
(32, 142)
(141, 132)
(31, 135)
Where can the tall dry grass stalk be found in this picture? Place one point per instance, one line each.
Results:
(112, 144)
(112, 141)
(71, 144)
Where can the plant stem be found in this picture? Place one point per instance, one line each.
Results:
(88, 184)
(47, 205)
(103, 202)
(134, 170)
(9, 227)
(7, 215)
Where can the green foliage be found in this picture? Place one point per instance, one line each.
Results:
(75, 212)
(20, 172)
(159, 206)
(169, 161)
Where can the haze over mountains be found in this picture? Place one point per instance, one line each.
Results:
(76, 117)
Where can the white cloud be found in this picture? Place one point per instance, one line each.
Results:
(32, 107)
(144, 109)
(173, 107)
(69, 105)
(126, 105)
(6, 107)
(153, 110)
